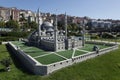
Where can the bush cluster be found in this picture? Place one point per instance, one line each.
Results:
(12, 36)
(108, 36)
(8, 39)
(15, 34)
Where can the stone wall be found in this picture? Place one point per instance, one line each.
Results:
(62, 64)
(27, 61)
(37, 68)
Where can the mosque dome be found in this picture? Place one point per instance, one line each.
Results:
(50, 30)
(47, 26)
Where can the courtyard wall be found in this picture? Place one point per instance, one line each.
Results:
(62, 64)
(35, 67)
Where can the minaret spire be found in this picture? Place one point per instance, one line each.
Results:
(39, 20)
(55, 35)
(39, 25)
(65, 26)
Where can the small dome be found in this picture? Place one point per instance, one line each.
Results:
(47, 24)
(50, 30)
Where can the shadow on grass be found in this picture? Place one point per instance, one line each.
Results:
(18, 63)
(2, 70)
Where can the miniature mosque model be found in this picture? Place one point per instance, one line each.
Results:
(49, 38)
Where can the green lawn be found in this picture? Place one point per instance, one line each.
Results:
(52, 58)
(105, 67)
(77, 53)
(88, 47)
(67, 54)
(34, 52)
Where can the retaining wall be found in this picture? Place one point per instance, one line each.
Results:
(30, 63)
(37, 68)
(59, 65)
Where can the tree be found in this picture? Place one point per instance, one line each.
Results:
(89, 24)
(61, 25)
(12, 24)
(22, 20)
(2, 24)
(33, 25)
(25, 26)
(74, 27)
(69, 27)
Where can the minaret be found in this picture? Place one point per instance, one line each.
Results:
(39, 25)
(83, 34)
(55, 35)
(65, 26)
(39, 22)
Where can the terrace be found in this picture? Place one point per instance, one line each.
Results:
(46, 58)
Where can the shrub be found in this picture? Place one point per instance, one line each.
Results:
(107, 35)
(15, 34)
(8, 39)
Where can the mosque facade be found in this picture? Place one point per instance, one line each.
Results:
(49, 38)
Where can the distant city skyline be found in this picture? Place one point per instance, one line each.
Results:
(103, 9)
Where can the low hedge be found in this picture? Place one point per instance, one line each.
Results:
(8, 39)
(15, 34)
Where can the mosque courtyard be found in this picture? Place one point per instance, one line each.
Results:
(46, 58)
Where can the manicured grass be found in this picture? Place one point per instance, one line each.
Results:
(16, 72)
(17, 43)
(3, 52)
(52, 58)
(67, 54)
(32, 51)
(89, 47)
(105, 67)
(34, 54)
(77, 53)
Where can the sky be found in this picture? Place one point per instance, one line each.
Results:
(97, 9)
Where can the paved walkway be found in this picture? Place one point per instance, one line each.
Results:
(60, 55)
(73, 52)
(83, 50)
(43, 55)
(49, 54)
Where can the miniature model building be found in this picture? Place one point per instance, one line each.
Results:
(48, 37)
